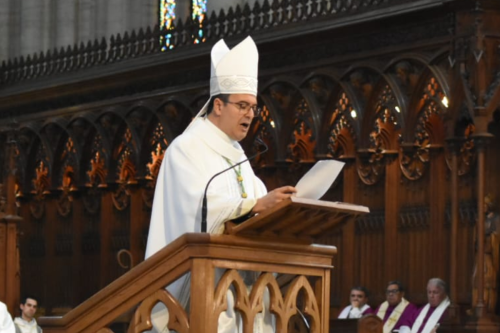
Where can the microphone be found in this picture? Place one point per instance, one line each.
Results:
(204, 204)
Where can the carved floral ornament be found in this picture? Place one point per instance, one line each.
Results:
(126, 179)
(67, 179)
(67, 188)
(342, 137)
(466, 152)
(158, 147)
(266, 129)
(383, 139)
(96, 180)
(303, 141)
(40, 190)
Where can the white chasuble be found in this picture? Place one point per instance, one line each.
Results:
(6, 323)
(190, 161)
(433, 319)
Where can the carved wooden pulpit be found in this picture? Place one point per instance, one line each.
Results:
(268, 263)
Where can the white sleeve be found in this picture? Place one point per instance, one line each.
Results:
(404, 329)
(6, 323)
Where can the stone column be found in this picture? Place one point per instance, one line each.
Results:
(47, 34)
(101, 17)
(116, 17)
(217, 5)
(480, 143)
(142, 14)
(5, 31)
(149, 10)
(31, 32)
(87, 21)
(13, 20)
(66, 23)
(454, 148)
(9, 254)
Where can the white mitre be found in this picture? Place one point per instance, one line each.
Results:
(233, 71)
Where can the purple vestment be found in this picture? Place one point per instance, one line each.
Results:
(405, 317)
(413, 318)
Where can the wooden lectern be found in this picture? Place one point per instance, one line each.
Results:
(290, 276)
(298, 220)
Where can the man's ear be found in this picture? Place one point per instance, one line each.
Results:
(218, 103)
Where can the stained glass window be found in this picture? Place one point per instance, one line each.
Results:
(167, 9)
(167, 17)
(199, 13)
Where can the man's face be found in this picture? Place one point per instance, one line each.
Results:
(29, 308)
(393, 295)
(235, 116)
(358, 298)
(435, 295)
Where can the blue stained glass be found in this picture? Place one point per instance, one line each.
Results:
(199, 14)
(167, 17)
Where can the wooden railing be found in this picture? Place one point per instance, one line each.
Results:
(296, 276)
(266, 16)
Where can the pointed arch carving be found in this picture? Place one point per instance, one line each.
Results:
(310, 306)
(177, 321)
(242, 301)
(276, 306)
(429, 131)
(283, 308)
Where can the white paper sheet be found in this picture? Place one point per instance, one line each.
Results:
(315, 183)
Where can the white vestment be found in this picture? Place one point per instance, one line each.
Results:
(26, 326)
(190, 161)
(431, 322)
(350, 312)
(6, 323)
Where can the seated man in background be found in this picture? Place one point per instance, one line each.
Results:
(26, 323)
(428, 318)
(358, 308)
(396, 309)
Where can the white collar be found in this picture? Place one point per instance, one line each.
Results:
(219, 141)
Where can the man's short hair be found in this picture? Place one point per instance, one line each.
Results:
(222, 97)
(363, 289)
(398, 283)
(440, 283)
(25, 298)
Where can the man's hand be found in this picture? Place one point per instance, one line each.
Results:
(273, 197)
(355, 304)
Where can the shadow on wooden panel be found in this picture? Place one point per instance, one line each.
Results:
(366, 324)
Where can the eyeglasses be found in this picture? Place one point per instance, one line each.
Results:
(392, 291)
(244, 108)
(357, 296)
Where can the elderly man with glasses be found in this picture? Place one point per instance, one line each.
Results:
(396, 310)
(428, 318)
(358, 307)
